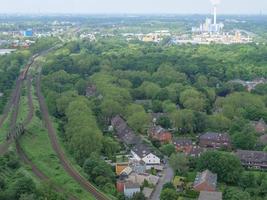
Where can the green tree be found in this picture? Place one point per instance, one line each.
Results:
(235, 194)
(168, 194)
(139, 121)
(110, 147)
(167, 149)
(193, 100)
(226, 165)
(179, 163)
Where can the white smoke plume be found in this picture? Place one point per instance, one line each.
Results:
(215, 2)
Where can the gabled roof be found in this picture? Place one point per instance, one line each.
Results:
(124, 132)
(182, 141)
(215, 136)
(206, 176)
(142, 150)
(131, 185)
(204, 195)
(252, 156)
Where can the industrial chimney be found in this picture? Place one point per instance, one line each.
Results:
(215, 3)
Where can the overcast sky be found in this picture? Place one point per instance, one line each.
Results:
(132, 6)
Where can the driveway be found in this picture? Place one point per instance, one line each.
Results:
(167, 177)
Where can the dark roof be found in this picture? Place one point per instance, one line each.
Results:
(196, 151)
(204, 195)
(182, 141)
(142, 150)
(215, 136)
(263, 139)
(157, 130)
(252, 156)
(124, 132)
(206, 176)
(131, 185)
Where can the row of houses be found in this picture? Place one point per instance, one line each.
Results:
(133, 174)
(140, 150)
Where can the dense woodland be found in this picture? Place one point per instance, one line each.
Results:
(189, 83)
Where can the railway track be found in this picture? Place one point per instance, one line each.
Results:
(22, 154)
(14, 103)
(55, 144)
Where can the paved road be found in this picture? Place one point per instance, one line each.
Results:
(167, 177)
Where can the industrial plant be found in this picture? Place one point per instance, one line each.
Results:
(212, 31)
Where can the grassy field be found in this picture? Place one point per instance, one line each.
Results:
(36, 145)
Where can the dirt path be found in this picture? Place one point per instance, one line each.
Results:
(56, 146)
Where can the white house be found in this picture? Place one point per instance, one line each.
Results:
(144, 153)
(130, 189)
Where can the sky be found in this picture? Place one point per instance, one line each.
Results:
(132, 6)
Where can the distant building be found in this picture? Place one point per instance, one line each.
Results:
(183, 145)
(250, 85)
(204, 195)
(160, 134)
(28, 33)
(141, 152)
(253, 159)
(215, 140)
(205, 181)
(131, 188)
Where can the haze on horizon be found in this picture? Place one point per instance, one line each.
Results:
(132, 6)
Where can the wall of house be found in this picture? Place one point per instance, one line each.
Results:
(129, 192)
(151, 159)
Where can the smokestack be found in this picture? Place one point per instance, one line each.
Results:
(215, 15)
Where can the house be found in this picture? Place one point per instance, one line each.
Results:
(140, 178)
(263, 139)
(183, 145)
(205, 181)
(196, 151)
(160, 134)
(253, 159)
(123, 132)
(260, 126)
(204, 195)
(215, 140)
(120, 167)
(91, 91)
(120, 185)
(138, 166)
(131, 188)
(142, 152)
(147, 192)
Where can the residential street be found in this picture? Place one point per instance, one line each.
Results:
(167, 177)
